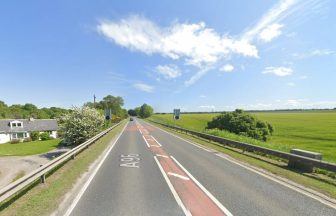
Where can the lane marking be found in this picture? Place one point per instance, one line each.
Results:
(281, 182)
(164, 156)
(178, 176)
(227, 212)
(140, 131)
(87, 183)
(176, 196)
(298, 188)
(146, 141)
(156, 141)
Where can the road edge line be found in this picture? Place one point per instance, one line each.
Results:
(309, 192)
(87, 183)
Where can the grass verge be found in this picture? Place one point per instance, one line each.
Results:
(28, 148)
(43, 199)
(315, 181)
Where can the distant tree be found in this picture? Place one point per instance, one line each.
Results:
(80, 124)
(145, 111)
(131, 112)
(137, 111)
(242, 123)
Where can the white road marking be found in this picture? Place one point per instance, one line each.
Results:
(314, 194)
(172, 189)
(178, 176)
(293, 187)
(227, 212)
(86, 185)
(198, 146)
(140, 131)
(159, 155)
(156, 141)
(146, 141)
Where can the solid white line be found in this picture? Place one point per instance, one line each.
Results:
(298, 189)
(178, 176)
(227, 212)
(146, 141)
(164, 156)
(172, 189)
(87, 183)
(293, 187)
(156, 141)
(140, 131)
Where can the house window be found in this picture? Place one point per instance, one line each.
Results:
(14, 136)
(19, 125)
(13, 124)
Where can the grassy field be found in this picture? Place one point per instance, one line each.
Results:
(28, 148)
(309, 130)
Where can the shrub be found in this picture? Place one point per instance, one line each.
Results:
(80, 124)
(35, 135)
(45, 136)
(145, 111)
(242, 123)
(28, 139)
(15, 141)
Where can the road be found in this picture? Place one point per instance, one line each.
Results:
(152, 172)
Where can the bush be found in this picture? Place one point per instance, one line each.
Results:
(145, 111)
(34, 135)
(45, 136)
(28, 139)
(80, 124)
(242, 123)
(15, 141)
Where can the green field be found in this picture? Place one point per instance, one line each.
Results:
(308, 130)
(28, 148)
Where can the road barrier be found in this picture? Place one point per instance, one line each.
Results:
(253, 148)
(40, 173)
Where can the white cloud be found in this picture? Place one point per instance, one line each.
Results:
(143, 87)
(313, 53)
(291, 84)
(227, 68)
(278, 71)
(270, 32)
(168, 71)
(303, 77)
(196, 43)
(202, 96)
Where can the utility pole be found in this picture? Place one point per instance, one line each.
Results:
(94, 101)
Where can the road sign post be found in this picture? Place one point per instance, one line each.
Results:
(176, 115)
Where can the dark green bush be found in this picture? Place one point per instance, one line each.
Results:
(45, 136)
(35, 135)
(242, 123)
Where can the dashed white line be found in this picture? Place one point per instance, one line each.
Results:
(164, 156)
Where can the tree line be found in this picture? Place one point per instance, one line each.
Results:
(18, 111)
(143, 111)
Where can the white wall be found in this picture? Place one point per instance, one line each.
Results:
(4, 138)
(53, 134)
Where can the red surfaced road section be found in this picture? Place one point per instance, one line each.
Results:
(195, 200)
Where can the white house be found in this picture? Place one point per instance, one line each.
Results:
(13, 129)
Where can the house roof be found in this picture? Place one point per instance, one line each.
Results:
(29, 125)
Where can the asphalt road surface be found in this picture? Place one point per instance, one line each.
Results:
(151, 172)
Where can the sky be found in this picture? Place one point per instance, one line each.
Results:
(194, 55)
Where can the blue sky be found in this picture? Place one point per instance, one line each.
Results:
(193, 55)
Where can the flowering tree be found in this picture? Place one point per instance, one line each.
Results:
(80, 124)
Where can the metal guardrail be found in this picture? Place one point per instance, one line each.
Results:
(253, 148)
(40, 173)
